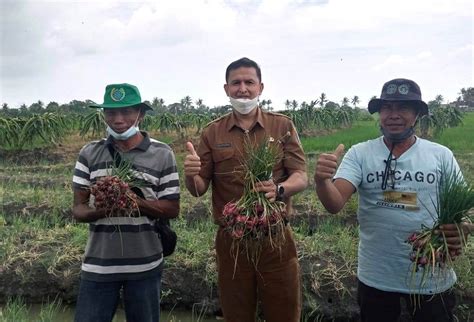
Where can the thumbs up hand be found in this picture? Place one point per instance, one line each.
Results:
(326, 164)
(192, 162)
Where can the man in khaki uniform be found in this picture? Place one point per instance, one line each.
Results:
(275, 280)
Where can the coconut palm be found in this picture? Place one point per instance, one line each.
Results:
(345, 101)
(322, 99)
(294, 105)
(355, 100)
(158, 105)
(187, 103)
(439, 99)
(269, 105)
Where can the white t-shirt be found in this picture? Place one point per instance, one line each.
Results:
(387, 218)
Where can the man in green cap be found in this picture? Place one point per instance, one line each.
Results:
(124, 252)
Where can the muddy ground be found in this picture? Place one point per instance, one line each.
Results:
(188, 289)
(184, 288)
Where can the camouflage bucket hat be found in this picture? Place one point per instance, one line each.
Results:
(399, 90)
(121, 96)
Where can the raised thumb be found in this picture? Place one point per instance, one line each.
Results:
(190, 148)
(339, 151)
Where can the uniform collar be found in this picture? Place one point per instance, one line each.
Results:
(233, 120)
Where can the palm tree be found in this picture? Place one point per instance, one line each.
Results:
(36, 107)
(294, 104)
(158, 105)
(187, 103)
(201, 107)
(52, 107)
(322, 99)
(355, 100)
(23, 109)
(269, 105)
(199, 102)
(5, 108)
(345, 101)
(287, 104)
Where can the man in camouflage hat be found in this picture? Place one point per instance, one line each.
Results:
(396, 177)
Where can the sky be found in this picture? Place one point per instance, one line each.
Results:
(65, 50)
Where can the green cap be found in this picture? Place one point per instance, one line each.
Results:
(120, 96)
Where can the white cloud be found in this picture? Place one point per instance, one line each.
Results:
(395, 61)
(70, 49)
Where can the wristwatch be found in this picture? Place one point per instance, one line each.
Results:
(280, 190)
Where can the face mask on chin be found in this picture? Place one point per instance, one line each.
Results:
(124, 135)
(398, 137)
(244, 105)
(130, 132)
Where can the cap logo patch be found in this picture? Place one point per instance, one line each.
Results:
(391, 89)
(403, 89)
(117, 94)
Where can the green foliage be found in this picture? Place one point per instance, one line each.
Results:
(439, 119)
(166, 122)
(93, 122)
(455, 198)
(9, 131)
(310, 118)
(50, 127)
(50, 310)
(360, 131)
(54, 242)
(14, 310)
(458, 138)
(148, 123)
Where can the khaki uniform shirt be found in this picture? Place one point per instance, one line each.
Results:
(222, 148)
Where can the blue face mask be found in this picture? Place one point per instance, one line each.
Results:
(124, 135)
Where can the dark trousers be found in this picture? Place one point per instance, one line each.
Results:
(377, 306)
(98, 301)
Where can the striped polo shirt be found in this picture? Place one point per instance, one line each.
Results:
(121, 248)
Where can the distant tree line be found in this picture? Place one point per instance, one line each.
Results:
(465, 101)
(23, 127)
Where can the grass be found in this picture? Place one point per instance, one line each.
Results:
(459, 139)
(15, 310)
(32, 195)
(45, 240)
(360, 131)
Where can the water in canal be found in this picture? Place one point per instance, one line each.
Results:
(66, 313)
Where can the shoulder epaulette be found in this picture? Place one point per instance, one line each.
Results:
(217, 119)
(277, 114)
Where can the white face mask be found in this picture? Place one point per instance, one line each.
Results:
(124, 135)
(244, 105)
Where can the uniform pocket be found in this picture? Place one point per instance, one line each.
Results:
(219, 155)
(225, 164)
